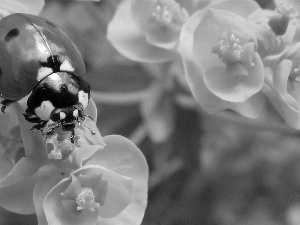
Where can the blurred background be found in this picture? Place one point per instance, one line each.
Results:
(204, 169)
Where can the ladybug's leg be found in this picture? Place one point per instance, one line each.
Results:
(72, 136)
(92, 132)
(49, 130)
(82, 117)
(5, 103)
(39, 126)
(32, 118)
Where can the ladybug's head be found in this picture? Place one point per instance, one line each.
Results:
(58, 92)
(67, 119)
(67, 114)
(60, 98)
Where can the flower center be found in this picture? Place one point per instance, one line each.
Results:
(285, 13)
(292, 11)
(86, 200)
(162, 15)
(60, 148)
(229, 48)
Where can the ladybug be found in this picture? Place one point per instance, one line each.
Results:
(38, 59)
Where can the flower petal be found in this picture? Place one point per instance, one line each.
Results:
(231, 87)
(142, 10)
(209, 30)
(165, 34)
(126, 36)
(207, 100)
(122, 156)
(252, 108)
(84, 153)
(41, 189)
(290, 114)
(73, 189)
(58, 213)
(119, 192)
(34, 143)
(8, 120)
(186, 38)
(283, 101)
(287, 2)
(242, 8)
(61, 212)
(281, 76)
(91, 109)
(95, 137)
(163, 37)
(18, 197)
(23, 170)
(158, 113)
(19, 6)
(281, 80)
(5, 163)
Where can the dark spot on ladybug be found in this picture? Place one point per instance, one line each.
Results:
(53, 62)
(50, 23)
(13, 33)
(0, 71)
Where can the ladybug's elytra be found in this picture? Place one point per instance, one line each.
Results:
(38, 59)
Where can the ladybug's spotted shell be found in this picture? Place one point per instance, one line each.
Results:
(28, 44)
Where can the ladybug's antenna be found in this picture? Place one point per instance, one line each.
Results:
(88, 116)
(50, 129)
(92, 132)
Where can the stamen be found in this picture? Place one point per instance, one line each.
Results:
(86, 200)
(60, 148)
(292, 11)
(295, 74)
(162, 15)
(55, 154)
(297, 70)
(229, 49)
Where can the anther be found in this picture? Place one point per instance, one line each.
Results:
(291, 10)
(92, 132)
(229, 49)
(162, 15)
(86, 200)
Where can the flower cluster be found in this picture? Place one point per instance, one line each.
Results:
(235, 55)
(94, 180)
